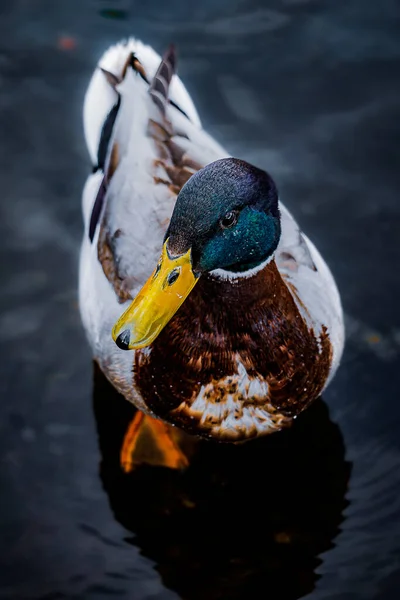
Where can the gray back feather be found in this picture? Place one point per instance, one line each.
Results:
(159, 87)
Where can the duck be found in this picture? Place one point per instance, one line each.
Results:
(204, 303)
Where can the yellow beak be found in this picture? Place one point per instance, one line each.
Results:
(156, 303)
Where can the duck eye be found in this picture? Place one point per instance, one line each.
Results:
(230, 219)
(173, 276)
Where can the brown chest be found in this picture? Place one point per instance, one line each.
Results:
(236, 361)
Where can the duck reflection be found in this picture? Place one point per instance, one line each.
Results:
(241, 519)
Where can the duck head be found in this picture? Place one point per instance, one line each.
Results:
(226, 219)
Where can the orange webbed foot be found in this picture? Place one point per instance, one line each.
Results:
(148, 440)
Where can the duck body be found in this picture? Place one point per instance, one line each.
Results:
(246, 351)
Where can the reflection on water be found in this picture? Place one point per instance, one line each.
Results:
(242, 519)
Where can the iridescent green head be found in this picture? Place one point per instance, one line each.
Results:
(228, 215)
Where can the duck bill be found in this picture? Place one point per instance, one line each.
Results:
(156, 303)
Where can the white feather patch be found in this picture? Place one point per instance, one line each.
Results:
(231, 275)
(101, 97)
(232, 416)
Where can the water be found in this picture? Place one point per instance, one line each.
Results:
(308, 90)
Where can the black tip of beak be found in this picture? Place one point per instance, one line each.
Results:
(123, 339)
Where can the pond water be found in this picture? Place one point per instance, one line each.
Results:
(309, 90)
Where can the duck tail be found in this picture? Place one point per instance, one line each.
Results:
(102, 93)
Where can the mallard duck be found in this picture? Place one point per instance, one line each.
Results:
(203, 302)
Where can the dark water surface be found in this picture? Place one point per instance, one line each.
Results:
(310, 91)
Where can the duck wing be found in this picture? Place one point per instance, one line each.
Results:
(149, 144)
